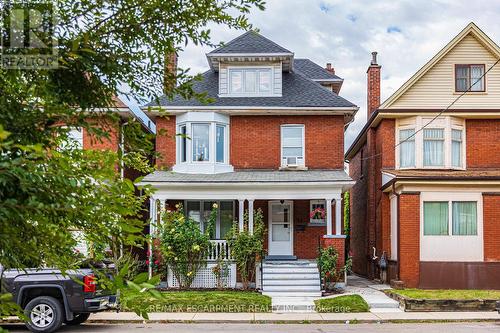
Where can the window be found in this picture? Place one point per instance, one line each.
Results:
(317, 204)
(183, 143)
(219, 144)
(292, 145)
(407, 147)
(469, 76)
(250, 81)
(433, 147)
(201, 142)
(456, 148)
(437, 218)
(425, 142)
(464, 218)
(200, 212)
(74, 139)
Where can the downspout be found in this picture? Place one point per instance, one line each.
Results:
(398, 230)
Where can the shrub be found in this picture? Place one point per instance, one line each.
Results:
(247, 248)
(183, 245)
(327, 261)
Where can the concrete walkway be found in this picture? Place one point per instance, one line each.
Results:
(372, 293)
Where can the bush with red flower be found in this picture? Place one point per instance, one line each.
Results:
(317, 214)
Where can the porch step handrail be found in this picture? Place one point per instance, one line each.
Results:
(219, 248)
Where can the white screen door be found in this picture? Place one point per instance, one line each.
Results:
(280, 228)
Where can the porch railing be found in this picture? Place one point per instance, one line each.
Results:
(219, 248)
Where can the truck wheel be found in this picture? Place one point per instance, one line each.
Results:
(78, 318)
(45, 314)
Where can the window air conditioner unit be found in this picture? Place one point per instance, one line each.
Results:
(293, 161)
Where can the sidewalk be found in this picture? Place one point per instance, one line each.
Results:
(112, 317)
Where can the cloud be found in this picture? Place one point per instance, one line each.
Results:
(323, 31)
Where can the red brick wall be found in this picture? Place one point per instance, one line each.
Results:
(339, 245)
(165, 141)
(373, 86)
(409, 243)
(481, 140)
(255, 141)
(491, 227)
(112, 142)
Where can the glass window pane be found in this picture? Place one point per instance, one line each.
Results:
(280, 232)
(435, 218)
(193, 210)
(476, 73)
(265, 80)
(407, 148)
(292, 136)
(250, 81)
(462, 77)
(219, 144)
(433, 147)
(201, 143)
(464, 216)
(183, 141)
(226, 217)
(292, 152)
(207, 210)
(456, 148)
(74, 139)
(280, 213)
(236, 81)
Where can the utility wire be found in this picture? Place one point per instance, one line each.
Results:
(438, 115)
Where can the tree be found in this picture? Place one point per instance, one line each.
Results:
(102, 46)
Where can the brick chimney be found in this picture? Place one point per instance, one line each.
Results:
(373, 86)
(170, 72)
(330, 68)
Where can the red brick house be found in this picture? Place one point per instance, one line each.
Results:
(427, 171)
(272, 140)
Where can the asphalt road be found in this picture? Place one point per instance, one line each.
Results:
(279, 328)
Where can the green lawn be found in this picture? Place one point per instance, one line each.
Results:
(348, 303)
(202, 301)
(452, 294)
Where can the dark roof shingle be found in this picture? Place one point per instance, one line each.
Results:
(250, 42)
(312, 70)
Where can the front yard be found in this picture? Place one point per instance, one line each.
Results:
(201, 301)
(342, 304)
(450, 294)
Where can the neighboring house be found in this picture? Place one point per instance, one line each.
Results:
(427, 171)
(272, 139)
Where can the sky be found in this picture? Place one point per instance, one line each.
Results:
(406, 34)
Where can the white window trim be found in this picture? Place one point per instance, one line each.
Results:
(320, 222)
(447, 123)
(257, 93)
(452, 247)
(302, 126)
(202, 210)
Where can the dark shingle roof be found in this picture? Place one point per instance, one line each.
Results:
(297, 91)
(313, 71)
(250, 42)
(251, 176)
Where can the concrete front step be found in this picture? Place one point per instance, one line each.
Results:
(279, 282)
(291, 265)
(290, 270)
(288, 276)
(291, 293)
(291, 288)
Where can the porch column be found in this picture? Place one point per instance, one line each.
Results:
(329, 226)
(338, 216)
(250, 215)
(240, 213)
(152, 222)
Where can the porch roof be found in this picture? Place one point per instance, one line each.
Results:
(250, 176)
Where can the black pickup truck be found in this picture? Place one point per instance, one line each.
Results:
(50, 298)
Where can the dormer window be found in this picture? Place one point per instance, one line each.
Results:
(253, 81)
(202, 143)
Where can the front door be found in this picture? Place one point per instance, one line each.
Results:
(280, 228)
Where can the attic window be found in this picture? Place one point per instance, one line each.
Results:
(469, 76)
(250, 81)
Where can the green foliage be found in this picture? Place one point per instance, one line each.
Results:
(221, 270)
(247, 248)
(342, 304)
(183, 245)
(105, 48)
(327, 261)
(347, 214)
(453, 294)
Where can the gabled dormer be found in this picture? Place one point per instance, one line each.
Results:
(250, 66)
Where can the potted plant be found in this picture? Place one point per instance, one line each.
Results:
(317, 215)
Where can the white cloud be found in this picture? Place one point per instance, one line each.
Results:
(345, 32)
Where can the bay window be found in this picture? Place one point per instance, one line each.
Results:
(422, 143)
(202, 143)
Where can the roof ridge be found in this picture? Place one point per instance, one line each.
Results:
(246, 34)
